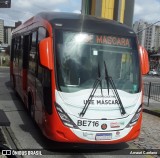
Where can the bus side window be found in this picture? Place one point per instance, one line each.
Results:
(26, 49)
(20, 48)
(16, 50)
(42, 33)
(33, 54)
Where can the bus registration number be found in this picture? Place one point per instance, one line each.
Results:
(87, 123)
(103, 136)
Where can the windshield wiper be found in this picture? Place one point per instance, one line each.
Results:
(99, 75)
(106, 76)
(110, 80)
(97, 82)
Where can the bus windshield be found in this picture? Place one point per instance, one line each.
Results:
(80, 61)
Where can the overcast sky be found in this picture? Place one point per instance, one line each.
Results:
(148, 10)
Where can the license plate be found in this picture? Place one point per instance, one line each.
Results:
(103, 136)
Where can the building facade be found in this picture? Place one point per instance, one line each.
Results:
(7, 34)
(119, 10)
(137, 27)
(157, 37)
(1, 31)
(149, 37)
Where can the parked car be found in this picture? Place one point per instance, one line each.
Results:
(153, 72)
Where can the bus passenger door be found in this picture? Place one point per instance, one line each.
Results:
(43, 94)
(31, 78)
(39, 95)
(42, 33)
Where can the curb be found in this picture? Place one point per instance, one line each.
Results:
(151, 112)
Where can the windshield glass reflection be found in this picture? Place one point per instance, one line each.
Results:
(80, 57)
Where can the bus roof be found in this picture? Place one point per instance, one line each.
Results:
(79, 22)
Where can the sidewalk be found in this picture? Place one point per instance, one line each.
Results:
(153, 108)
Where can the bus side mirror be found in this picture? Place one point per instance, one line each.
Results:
(45, 53)
(144, 60)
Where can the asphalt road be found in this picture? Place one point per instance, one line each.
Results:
(153, 79)
(24, 134)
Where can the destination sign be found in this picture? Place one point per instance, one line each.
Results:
(110, 40)
(84, 38)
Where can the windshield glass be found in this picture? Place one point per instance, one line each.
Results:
(80, 59)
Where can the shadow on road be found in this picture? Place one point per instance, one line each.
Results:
(83, 148)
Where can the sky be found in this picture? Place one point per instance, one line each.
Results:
(21, 10)
(147, 10)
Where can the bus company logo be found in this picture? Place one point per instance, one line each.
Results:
(114, 124)
(6, 152)
(104, 126)
(117, 133)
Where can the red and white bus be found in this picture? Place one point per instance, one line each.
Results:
(79, 77)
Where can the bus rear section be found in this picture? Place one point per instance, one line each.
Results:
(93, 72)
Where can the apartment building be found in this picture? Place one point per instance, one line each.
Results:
(7, 34)
(1, 31)
(149, 37)
(157, 37)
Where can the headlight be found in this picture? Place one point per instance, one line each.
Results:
(65, 118)
(135, 117)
